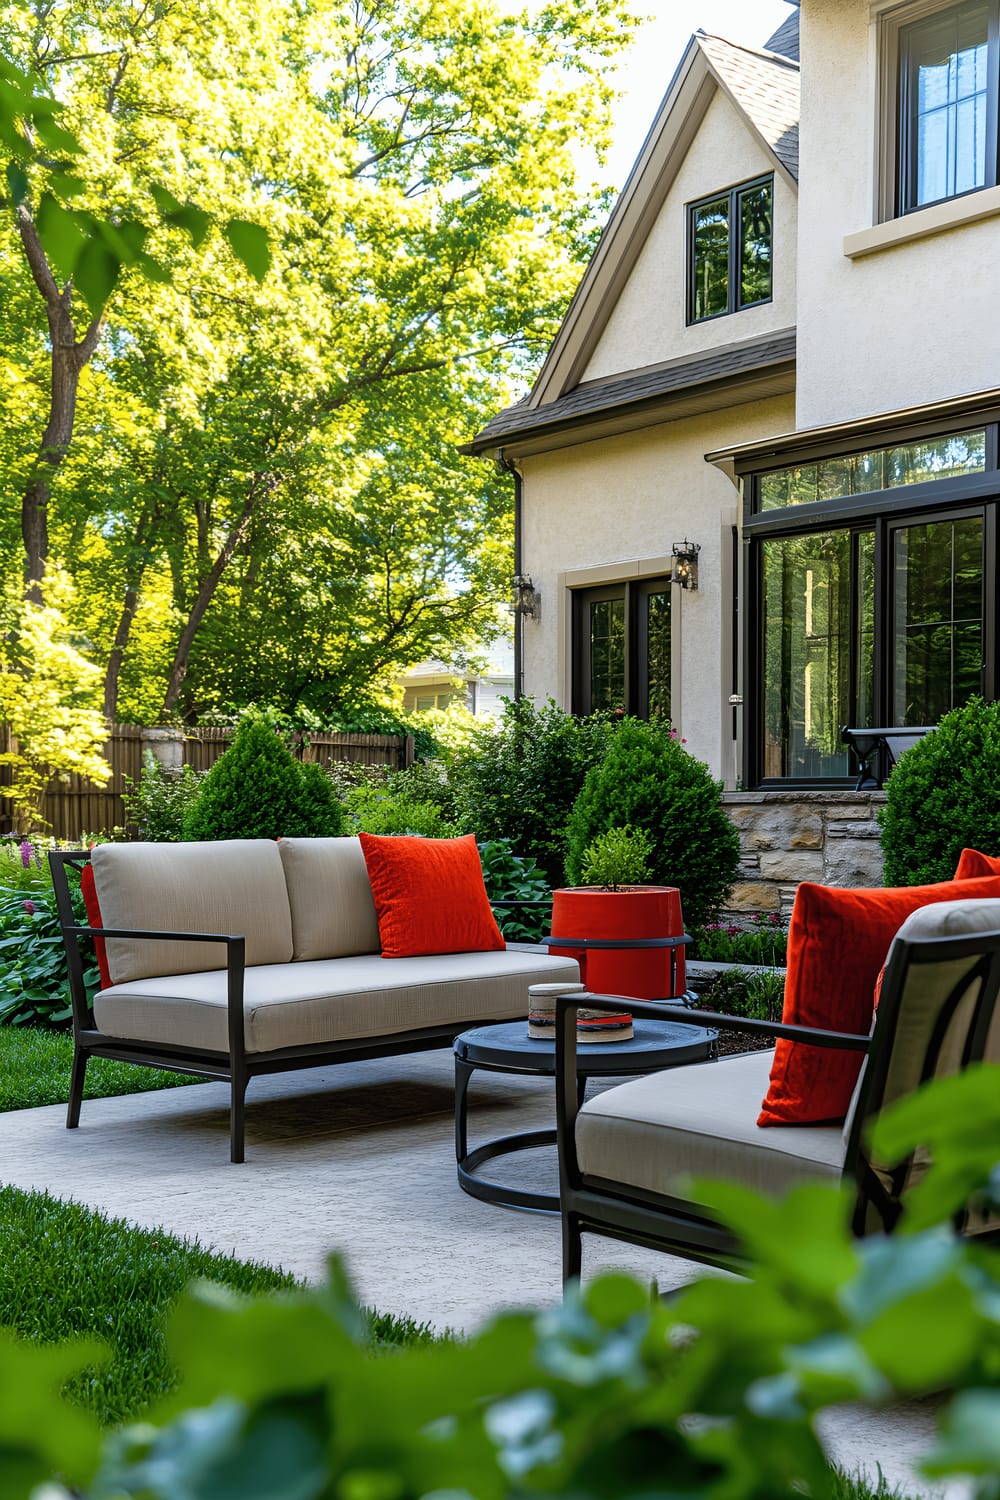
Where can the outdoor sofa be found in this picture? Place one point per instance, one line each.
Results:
(240, 957)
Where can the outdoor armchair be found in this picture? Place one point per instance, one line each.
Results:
(627, 1157)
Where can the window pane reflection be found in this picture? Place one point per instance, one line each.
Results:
(711, 258)
(607, 654)
(807, 652)
(658, 655)
(755, 244)
(949, 81)
(879, 469)
(937, 626)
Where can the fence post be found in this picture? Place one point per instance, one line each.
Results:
(166, 747)
(409, 750)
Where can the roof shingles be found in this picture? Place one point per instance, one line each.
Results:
(766, 87)
(595, 398)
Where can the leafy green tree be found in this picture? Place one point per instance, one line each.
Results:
(247, 461)
(258, 790)
(49, 699)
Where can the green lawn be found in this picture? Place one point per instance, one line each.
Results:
(67, 1273)
(35, 1066)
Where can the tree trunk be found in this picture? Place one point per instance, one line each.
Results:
(130, 606)
(69, 356)
(204, 596)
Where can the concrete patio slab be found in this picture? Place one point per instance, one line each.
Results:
(360, 1159)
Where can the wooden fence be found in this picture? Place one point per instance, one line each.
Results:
(76, 807)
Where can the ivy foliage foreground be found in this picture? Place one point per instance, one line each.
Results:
(255, 486)
(610, 1396)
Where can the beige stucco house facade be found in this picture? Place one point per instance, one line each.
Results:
(790, 358)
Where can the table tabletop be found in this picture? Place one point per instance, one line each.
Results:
(656, 1044)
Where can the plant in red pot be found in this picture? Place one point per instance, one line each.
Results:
(614, 907)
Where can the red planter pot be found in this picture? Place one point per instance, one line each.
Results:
(648, 911)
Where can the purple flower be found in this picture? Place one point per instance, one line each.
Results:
(27, 853)
(29, 907)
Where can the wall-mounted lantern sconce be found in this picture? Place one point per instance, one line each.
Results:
(686, 563)
(526, 599)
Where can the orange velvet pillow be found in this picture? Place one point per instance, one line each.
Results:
(89, 892)
(837, 942)
(972, 864)
(429, 896)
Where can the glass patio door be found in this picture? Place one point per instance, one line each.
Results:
(936, 608)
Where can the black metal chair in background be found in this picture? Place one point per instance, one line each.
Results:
(878, 750)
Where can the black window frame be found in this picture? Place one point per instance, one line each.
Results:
(634, 592)
(881, 512)
(905, 121)
(734, 302)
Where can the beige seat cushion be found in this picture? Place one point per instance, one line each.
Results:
(293, 1005)
(330, 896)
(700, 1121)
(233, 886)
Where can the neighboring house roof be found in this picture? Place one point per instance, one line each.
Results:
(763, 87)
(761, 365)
(786, 39)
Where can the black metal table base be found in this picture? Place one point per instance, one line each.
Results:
(497, 1192)
(691, 1044)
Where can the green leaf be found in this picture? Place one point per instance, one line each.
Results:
(96, 275)
(40, 1433)
(61, 233)
(17, 182)
(193, 220)
(249, 243)
(970, 1436)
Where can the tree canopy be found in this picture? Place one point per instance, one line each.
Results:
(253, 484)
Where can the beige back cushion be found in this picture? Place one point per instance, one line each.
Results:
(234, 886)
(333, 913)
(926, 989)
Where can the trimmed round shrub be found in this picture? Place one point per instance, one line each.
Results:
(519, 776)
(258, 790)
(944, 795)
(648, 780)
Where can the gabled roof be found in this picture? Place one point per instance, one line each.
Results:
(763, 87)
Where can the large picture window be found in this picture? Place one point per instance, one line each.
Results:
(621, 648)
(947, 65)
(730, 250)
(872, 607)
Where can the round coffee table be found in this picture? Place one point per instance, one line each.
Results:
(508, 1049)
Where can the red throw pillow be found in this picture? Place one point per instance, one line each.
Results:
(972, 865)
(429, 896)
(89, 892)
(837, 942)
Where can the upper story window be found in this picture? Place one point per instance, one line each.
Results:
(947, 65)
(730, 243)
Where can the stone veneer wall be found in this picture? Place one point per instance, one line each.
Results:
(785, 837)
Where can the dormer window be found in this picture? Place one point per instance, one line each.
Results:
(943, 70)
(730, 239)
